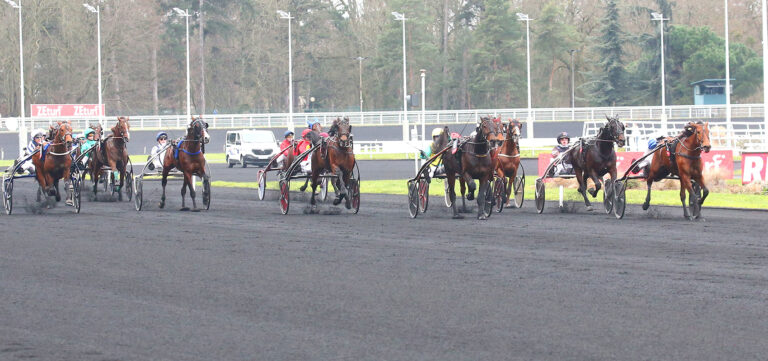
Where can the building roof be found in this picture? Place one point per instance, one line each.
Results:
(711, 81)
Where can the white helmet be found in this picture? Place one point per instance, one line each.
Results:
(39, 132)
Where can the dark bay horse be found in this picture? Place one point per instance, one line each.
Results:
(188, 156)
(597, 156)
(335, 156)
(112, 152)
(681, 157)
(53, 161)
(495, 140)
(471, 161)
(508, 157)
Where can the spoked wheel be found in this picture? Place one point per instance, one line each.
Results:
(620, 199)
(354, 189)
(423, 195)
(324, 189)
(539, 196)
(448, 202)
(8, 195)
(138, 194)
(608, 197)
(488, 201)
(77, 183)
(499, 193)
(413, 199)
(261, 177)
(207, 192)
(129, 182)
(518, 186)
(285, 194)
(693, 201)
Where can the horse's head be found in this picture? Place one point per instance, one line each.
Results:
(700, 131)
(614, 129)
(442, 140)
(97, 131)
(61, 133)
(122, 129)
(342, 130)
(486, 130)
(197, 130)
(514, 130)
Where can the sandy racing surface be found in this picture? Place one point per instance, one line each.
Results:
(242, 282)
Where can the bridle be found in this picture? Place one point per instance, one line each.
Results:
(512, 135)
(615, 134)
(61, 139)
(336, 136)
(485, 140)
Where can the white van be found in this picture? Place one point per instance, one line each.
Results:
(250, 147)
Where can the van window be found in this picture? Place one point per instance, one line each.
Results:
(231, 138)
(259, 137)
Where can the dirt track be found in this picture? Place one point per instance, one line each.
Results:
(242, 282)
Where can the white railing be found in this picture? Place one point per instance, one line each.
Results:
(280, 120)
(744, 136)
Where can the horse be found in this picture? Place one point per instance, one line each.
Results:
(596, 157)
(112, 152)
(495, 140)
(508, 156)
(471, 161)
(334, 156)
(681, 156)
(188, 156)
(53, 161)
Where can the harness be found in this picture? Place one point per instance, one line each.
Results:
(671, 152)
(177, 148)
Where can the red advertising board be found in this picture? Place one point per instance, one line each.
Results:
(714, 161)
(753, 167)
(66, 110)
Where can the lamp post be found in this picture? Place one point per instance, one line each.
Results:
(360, 86)
(660, 18)
(287, 16)
(524, 17)
(401, 17)
(765, 73)
(97, 11)
(573, 85)
(728, 124)
(186, 15)
(423, 109)
(22, 126)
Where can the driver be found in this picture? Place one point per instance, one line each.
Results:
(304, 144)
(88, 143)
(38, 139)
(157, 162)
(428, 151)
(287, 143)
(563, 144)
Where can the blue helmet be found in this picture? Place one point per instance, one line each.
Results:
(287, 133)
(652, 143)
(160, 134)
(311, 123)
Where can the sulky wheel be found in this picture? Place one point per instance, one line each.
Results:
(323, 189)
(423, 194)
(619, 199)
(499, 193)
(354, 189)
(138, 194)
(285, 195)
(129, 182)
(8, 194)
(518, 187)
(261, 178)
(694, 201)
(413, 199)
(488, 201)
(608, 197)
(207, 192)
(77, 184)
(539, 196)
(448, 202)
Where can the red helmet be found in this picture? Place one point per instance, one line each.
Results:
(324, 135)
(305, 132)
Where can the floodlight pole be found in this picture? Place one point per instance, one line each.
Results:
(287, 15)
(22, 126)
(660, 18)
(401, 17)
(765, 74)
(524, 17)
(728, 124)
(97, 10)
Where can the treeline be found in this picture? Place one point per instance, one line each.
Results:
(473, 52)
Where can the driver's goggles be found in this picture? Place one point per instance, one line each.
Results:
(162, 138)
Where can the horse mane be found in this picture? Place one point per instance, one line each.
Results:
(334, 127)
(441, 142)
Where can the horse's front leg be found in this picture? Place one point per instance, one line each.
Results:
(187, 183)
(704, 190)
(315, 181)
(598, 183)
(164, 182)
(583, 187)
(451, 179)
(484, 183)
(114, 175)
(685, 185)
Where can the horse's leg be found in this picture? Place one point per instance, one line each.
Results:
(348, 198)
(463, 188)
(685, 185)
(510, 186)
(451, 179)
(598, 183)
(481, 197)
(647, 202)
(704, 190)
(342, 186)
(113, 168)
(192, 191)
(56, 189)
(315, 181)
(122, 181)
(471, 186)
(583, 187)
(187, 182)
(164, 182)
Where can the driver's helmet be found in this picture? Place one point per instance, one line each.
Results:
(38, 133)
(87, 132)
(563, 135)
(652, 143)
(305, 132)
(436, 132)
(287, 133)
(311, 123)
(160, 134)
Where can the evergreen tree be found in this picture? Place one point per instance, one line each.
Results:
(610, 85)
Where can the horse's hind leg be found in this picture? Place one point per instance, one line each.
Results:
(647, 202)
(481, 198)
(451, 179)
(304, 187)
(164, 182)
(56, 189)
(315, 181)
(583, 188)
(598, 184)
(184, 192)
(685, 185)
(192, 192)
(704, 190)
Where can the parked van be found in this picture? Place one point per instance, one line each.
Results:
(249, 146)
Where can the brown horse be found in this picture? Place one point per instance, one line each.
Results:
(508, 157)
(472, 161)
(495, 140)
(53, 161)
(188, 156)
(336, 157)
(112, 152)
(596, 157)
(682, 157)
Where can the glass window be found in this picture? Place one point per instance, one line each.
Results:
(258, 137)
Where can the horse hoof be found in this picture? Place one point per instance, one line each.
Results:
(646, 206)
(302, 188)
(196, 210)
(590, 209)
(458, 216)
(161, 205)
(482, 217)
(470, 197)
(184, 208)
(336, 202)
